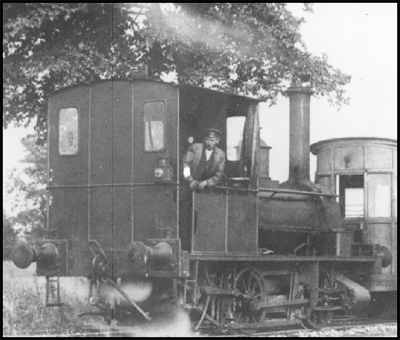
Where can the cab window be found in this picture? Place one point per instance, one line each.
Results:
(68, 131)
(154, 126)
(234, 140)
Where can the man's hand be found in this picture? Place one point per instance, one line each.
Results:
(202, 185)
(193, 184)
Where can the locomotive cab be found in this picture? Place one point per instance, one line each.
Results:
(250, 213)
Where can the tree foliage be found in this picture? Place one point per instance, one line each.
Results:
(28, 192)
(250, 48)
(9, 233)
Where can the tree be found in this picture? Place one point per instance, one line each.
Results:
(9, 233)
(28, 190)
(250, 48)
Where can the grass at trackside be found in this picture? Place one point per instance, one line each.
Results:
(24, 310)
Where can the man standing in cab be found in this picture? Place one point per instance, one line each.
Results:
(204, 163)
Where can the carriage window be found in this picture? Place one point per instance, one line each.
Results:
(351, 193)
(154, 126)
(68, 131)
(234, 139)
(354, 198)
(379, 204)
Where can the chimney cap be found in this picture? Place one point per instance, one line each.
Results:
(299, 89)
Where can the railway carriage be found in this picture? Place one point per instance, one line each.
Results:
(250, 251)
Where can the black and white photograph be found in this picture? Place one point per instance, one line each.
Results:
(200, 169)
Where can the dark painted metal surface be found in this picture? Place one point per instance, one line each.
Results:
(121, 217)
(154, 212)
(297, 213)
(242, 224)
(69, 170)
(101, 125)
(68, 216)
(278, 258)
(101, 228)
(299, 157)
(97, 193)
(210, 223)
(144, 163)
(122, 143)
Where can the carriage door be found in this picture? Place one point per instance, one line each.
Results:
(154, 135)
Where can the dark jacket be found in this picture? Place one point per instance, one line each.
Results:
(216, 166)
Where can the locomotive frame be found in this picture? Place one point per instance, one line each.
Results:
(249, 252)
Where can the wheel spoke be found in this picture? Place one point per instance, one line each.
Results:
(250, 283)
(244, 283)
(319, 319)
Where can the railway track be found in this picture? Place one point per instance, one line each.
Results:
(385, 326)
(348, 328)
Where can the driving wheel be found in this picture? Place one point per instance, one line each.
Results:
(249, 282)
(321, 314)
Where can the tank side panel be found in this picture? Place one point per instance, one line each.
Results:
(242, 225)
(210, 224)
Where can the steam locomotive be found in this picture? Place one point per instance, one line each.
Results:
(248, 252)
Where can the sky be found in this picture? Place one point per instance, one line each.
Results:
(360, 40)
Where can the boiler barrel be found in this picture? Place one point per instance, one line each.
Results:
(284, 225)
(279, 213)
(280, 222)
(299, 211)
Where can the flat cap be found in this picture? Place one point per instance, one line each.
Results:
(211, 132)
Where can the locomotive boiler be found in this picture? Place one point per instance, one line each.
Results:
(248, 252)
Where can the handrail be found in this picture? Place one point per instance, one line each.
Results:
(107, 185)
(278, 191)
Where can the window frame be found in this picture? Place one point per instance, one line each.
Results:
(367, 209)
(342, 195)
(347, 205)
(228, 134)
(165, 139)
(78, 132)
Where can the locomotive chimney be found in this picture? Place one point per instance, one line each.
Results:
(299, 161)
